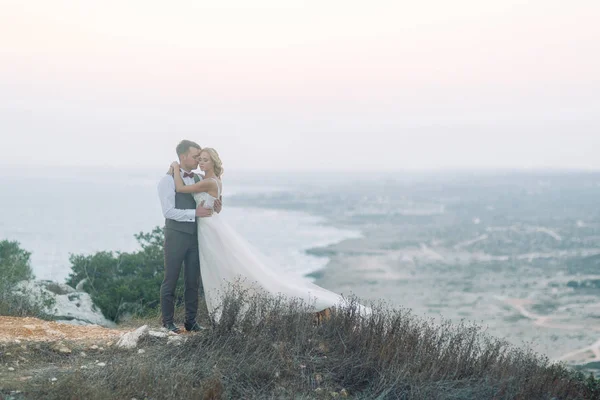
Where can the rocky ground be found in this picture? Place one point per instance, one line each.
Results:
(281, 358)
(37, 353)
(36, 350)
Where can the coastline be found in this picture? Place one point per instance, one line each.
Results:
(465, 248)
(292, 250)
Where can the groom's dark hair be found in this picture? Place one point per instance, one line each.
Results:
(185, 145)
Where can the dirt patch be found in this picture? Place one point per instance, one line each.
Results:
(34, 329)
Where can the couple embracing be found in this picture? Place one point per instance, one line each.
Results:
(212, 252)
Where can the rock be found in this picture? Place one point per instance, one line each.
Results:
(94, 347)
(11, 369)
(141, 351)
(158, 334)
(82, 354)
(130, 339)
(344, 393)
(101, 364)
(63, 302)
(176, 340)
(53, 380)
(64, 350)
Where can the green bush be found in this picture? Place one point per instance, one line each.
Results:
(15, 267)
(14, 263)
(121, 283)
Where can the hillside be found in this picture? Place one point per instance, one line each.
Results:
(278, 350)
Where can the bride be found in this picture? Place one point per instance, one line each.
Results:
(226, 257)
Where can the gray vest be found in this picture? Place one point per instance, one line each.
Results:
(183, 201)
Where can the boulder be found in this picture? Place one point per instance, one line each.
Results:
(63, 302)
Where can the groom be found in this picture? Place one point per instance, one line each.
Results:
(181, 239)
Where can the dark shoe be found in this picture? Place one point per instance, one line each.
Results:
(172, 328)
(194, 328)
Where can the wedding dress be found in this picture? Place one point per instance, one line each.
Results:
(226, 258)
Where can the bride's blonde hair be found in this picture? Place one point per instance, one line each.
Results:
(214, 156)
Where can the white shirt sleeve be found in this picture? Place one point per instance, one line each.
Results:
(166, 193)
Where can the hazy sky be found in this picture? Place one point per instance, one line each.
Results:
(291, 85)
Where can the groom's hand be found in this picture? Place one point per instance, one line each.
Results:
(203, 212)
(218, 205)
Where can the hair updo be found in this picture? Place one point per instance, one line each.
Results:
(217, 163)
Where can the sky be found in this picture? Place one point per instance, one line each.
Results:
(302, 85)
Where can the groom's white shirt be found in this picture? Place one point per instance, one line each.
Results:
(166, 193)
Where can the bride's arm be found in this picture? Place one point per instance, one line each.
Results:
(176, 176)
(198, 187)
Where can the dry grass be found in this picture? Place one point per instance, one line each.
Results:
(276, 350)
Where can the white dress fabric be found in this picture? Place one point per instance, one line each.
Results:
(226, 258)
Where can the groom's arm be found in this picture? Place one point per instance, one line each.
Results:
(166, 193)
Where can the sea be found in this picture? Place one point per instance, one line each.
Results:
(515, 251)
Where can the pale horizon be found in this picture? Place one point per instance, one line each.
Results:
(302, 85)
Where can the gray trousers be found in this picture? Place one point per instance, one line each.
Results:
(180, 248)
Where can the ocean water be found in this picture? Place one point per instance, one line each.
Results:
(516, 252)
(57, 212)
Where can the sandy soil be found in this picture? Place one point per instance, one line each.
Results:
(33, 329)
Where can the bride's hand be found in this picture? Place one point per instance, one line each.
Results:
(174, 166)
